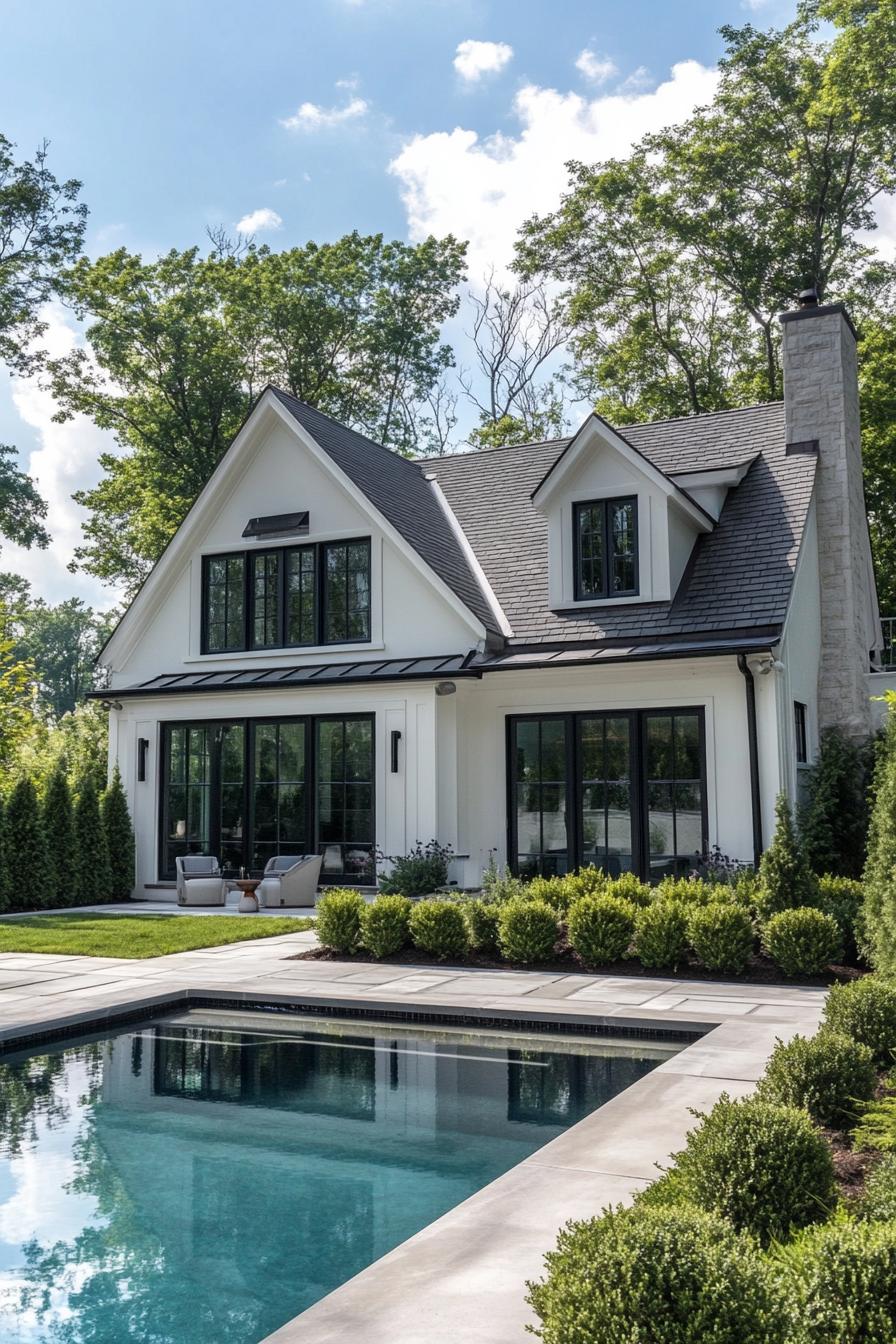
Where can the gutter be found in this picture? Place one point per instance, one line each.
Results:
(753, 742)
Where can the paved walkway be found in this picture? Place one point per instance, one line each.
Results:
(460, 1279)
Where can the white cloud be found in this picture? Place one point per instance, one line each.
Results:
(65, 460)
(473, 60)
(259, 221)
(482, 189)
(594, 67)
(313, 117)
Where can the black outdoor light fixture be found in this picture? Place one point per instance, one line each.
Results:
(142, 749)
(396, 738)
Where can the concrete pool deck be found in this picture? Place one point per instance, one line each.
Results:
(462, 1278)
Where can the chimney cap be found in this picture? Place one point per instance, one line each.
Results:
(808, 298)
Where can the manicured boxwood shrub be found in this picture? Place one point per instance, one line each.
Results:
(843, 1279)
(828, 1075)
(629, 887)
(384, 925)
(481, 918)
(527, 931)
(439, 927)
(338, 919)
(553, 891)
(722, 936)
(588, 881)
(764, 1167)
(878, 1202)
(841, 897)
(689, 891)
(661, 1276)
(802, 942)
(601, 928)
(866, 1011)
(661, 935)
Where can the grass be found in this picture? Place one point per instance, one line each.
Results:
(136, 936)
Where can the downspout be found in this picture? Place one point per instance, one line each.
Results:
(753, 745)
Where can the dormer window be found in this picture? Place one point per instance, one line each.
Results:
(605, 560)
(287, 598)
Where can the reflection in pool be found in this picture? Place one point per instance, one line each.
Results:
(201, 1180)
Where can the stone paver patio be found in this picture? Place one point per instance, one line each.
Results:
(460, 1279)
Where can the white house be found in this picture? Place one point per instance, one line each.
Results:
(613, 649)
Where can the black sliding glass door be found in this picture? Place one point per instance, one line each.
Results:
(622, 791)
(246, 790)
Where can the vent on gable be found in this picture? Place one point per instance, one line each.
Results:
(277, 525)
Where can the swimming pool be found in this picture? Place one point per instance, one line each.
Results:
(202, 1179)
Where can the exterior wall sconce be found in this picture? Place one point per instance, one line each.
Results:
(110, 704)
(395, 739)
(445, 688)
(142, 749)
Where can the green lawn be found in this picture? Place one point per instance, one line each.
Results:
(136, 935)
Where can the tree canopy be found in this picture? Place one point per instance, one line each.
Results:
(178, 349)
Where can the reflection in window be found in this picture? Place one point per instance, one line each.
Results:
(300, 596)
(186, 821)
(345, 822)
(675, 793)
(605, 558)
(266, 600)
(347, 591)
(605, 757)
(539, 764)
(280, 824)
(224, 603)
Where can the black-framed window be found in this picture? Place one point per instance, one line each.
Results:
(622, 790)
(224, 602)
(605, 555)
(248, 789)
(801, 733)
(287, 597)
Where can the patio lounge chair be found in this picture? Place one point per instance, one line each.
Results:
(199, 880)
(290, 879)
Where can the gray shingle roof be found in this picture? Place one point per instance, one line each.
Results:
(398, 488)
(739, 577)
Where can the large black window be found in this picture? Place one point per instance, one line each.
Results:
(286, 598)
(245, 790)
(605, 560)
(621, 791)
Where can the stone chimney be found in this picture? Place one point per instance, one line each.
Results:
(821, 415)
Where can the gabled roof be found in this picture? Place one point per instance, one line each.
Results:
(740, 574)
(399, 489)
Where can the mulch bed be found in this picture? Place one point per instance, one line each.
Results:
(761, 970)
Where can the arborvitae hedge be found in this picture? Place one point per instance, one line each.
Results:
(27, 866)
(119, 839)
(93, 882)
(834, 821)
(880, 889)
(787, 879)
(4, 876)
(59, 829)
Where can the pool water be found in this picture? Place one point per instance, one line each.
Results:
(205, 1178)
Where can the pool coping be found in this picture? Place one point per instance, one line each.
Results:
(461, 1278)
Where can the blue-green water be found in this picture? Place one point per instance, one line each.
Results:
(203, 1180)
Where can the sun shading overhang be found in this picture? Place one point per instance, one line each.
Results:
(439, 668)
(541, 658)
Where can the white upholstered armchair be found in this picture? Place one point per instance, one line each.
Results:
(290, 879)
(199, 880)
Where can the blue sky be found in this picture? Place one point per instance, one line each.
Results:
(400, 116)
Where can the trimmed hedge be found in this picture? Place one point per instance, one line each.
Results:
(828, 1075)
(878, 1203)
(601, 928)
(802, 941)
(764, 1167)
(338, 919)
(667, 1276)
(843, 1279)
(722, 936)
(481, 918)
(439, 927)
(385, 925)
(866, 1011)
(661, 935)
(527, 931)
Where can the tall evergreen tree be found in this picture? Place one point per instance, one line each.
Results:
(59, 828)
(119, 839)
(4, 883)
(880, 867)
(92, 878)
(26, 849)
(833, 822)
(787, 879)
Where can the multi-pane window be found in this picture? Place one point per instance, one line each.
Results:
(606, 548)
(248, 789)
(225, 603)
(619, 790)
(288, 597)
